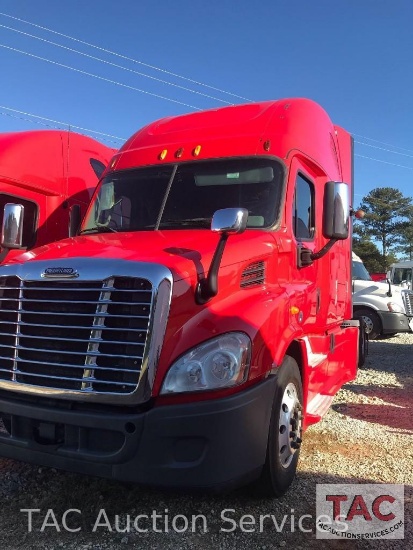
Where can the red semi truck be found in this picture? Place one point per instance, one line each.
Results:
(50, 174)
(201, 319)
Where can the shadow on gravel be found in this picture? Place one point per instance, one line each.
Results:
(396, 413)
(393, 416)
(59, 491)
(397, 410)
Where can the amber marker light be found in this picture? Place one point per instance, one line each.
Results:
(178, 153)
(163, 154)
(196, 151)
(359, 214)
(294, 310)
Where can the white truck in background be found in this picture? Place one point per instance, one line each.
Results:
(401, 273)
(385, 308)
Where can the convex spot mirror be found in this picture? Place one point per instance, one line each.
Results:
(12, 227)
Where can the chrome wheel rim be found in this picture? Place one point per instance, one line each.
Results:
(368, 324)
(290, 425)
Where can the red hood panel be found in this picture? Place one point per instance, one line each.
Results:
(173, 249)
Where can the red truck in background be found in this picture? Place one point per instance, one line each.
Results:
(201, 319)
(378, 276)
(49, 173)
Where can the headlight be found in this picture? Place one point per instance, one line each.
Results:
(396, 308)
(218, 363)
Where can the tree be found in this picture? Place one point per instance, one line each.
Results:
(386, 213)
(369, 254)
(405, 247)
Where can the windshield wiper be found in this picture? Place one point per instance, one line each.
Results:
(98, 229)
(202, 222)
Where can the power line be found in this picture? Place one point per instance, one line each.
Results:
(55, 122)
(115, 65)
(151, 67)
(154, 78)
(124, 139)
(125, 57)
(383, 149)
(384, 143)
(384, 161)
(99, 77)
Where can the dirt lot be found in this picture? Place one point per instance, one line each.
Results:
(367, 437)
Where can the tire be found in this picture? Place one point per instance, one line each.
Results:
(284, 438)
(372, 322)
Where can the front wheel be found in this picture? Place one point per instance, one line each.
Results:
(371, 321)
(284, 438)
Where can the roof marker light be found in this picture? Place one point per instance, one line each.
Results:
(179, 152)
(196, 151)
(267, 145)
(163, 154)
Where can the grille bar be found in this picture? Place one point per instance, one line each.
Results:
(22, 300)
(54, 339)
(45, 288)
(41, 325)
(79, 380)
(69, 352)
(66, 365)
(48, 313)
(408, 301)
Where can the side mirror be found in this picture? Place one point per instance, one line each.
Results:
(336, 221)
(336, 212)
(12, 228)
(74, 220)
(107, 196)
(229, 220)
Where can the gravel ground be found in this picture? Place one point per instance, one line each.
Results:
(366, 437)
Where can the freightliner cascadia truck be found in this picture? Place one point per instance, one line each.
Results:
(50, 175)
(201, 319)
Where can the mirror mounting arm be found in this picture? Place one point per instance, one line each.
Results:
(324, 250)
(226, 222)
(207, 288)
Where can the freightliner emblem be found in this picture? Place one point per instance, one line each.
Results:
(59, 272)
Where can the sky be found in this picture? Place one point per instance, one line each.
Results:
(108, 68)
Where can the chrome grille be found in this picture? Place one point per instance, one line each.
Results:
(408, 301)
(87, 336)
(253, 275)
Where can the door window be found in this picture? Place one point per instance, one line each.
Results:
(303, 209)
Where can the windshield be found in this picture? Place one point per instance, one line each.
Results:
(186, 196)
(360, 272)
(402, 275)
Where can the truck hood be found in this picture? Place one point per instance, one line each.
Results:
(373, 288)
(184, 252)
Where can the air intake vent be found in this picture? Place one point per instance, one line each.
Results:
(253, 275)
